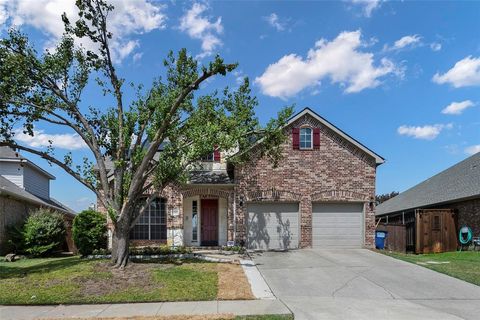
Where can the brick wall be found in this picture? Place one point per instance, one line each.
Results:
(172, 194)
(337, 171)
(468, 214)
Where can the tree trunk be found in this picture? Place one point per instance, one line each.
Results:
(120, 244)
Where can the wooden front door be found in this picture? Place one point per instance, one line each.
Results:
(209, 222)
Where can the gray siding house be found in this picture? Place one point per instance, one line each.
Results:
(24, 187)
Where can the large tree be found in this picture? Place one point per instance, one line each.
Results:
(174, 113)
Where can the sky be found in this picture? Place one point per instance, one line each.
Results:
(403, 78)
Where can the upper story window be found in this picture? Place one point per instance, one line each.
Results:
(306, 138)
(208, 157)
(212, 157)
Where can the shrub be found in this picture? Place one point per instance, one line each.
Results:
(43, 232)
(101, 252)
(159, 250)
(15, 239)
(89, 231)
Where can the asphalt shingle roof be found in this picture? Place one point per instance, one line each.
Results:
(210, 177)
(460, 181)
(9, 188)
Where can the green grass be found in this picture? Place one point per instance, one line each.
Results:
(75, 280)
(464, 265)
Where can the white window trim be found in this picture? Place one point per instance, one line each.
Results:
(300, 139)
(198, 216)
(149, 222)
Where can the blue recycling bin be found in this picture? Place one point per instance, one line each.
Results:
(380, 239)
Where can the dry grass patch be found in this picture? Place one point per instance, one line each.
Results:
(232, 283)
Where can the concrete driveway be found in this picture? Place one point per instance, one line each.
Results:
(362, 284)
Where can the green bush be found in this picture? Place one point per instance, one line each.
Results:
(15, 240)
(43, 232)
(89, 231)
(159, 250)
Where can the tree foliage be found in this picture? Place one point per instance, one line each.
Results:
(380, 198)
(89, 231)
(43, 232)
(124, 139)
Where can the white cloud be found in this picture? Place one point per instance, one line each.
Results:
(406, 41)
(274, 21)
(368, 6)
(472, 149)
(427, 132)
(198, 26)
(129, 18)
(435, 46)
(340, 60)
(465, 72)
(40, 139)
(457, 107)
(137, 56)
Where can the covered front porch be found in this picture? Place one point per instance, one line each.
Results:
(208, 216)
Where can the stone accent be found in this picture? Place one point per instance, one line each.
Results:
(337, 171)
(174, 195)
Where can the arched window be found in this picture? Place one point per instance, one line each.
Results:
(152, 224)
(306, 138)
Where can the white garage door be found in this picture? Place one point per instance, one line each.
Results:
(272, 226)
(337, 225)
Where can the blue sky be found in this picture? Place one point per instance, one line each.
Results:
(401, 77)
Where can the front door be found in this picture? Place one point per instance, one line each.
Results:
(209, 222)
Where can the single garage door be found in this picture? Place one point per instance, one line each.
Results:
(337, 225)
(272, 226)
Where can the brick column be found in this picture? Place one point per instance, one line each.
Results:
(305, 222)
(369, 225)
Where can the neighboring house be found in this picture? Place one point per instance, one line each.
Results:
(456, 189)
(321, 194)
(24, 187)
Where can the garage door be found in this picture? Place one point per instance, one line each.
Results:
(272, 226)
(337, 225)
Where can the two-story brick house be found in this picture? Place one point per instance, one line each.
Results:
(321, 194)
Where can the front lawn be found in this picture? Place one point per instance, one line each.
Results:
(74, 280)
(464, 265)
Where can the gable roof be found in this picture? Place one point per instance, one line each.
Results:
(378, 159)
(9, 188)
(461, 181)
(7, 154)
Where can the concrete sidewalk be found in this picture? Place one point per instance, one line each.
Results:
(242, 307)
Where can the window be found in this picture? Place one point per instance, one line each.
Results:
(194, 220)
(305, 138)
(152, 224)
(208, 157)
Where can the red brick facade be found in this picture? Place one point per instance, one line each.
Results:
(337, 171)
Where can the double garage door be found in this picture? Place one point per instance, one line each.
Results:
(277, 225)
